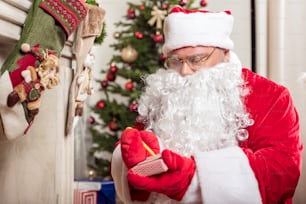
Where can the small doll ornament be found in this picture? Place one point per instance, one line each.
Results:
(31, 81)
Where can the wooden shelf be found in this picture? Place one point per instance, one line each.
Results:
(20, 4)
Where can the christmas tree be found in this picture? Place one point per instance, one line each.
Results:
(139, 53)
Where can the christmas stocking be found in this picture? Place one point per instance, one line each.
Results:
(33, 65)
(81, 87)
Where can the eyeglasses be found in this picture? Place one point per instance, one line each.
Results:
(195, 62)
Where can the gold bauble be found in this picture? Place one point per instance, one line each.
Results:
(129, 54)
(92, 174)
(117, 35)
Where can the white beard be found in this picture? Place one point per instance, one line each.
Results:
(198, 112)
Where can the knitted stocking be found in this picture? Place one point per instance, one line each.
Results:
(32, 66)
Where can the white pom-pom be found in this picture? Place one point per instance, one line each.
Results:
(89, 60)
(25, 47)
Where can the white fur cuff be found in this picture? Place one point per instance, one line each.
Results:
(225, 176)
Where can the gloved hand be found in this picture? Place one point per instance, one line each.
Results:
(132, 148)
(173, 183)
(133, 152)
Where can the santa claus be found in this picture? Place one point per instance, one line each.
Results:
(225, 134)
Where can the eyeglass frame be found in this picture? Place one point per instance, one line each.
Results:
(186, 60)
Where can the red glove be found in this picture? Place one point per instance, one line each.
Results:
(173, 183)
(132, 148)
(133, 152)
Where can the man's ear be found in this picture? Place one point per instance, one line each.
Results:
(226, 55)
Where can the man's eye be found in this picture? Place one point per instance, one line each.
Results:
(174, 61)
(195, 59)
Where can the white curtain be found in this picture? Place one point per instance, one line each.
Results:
(281, 56)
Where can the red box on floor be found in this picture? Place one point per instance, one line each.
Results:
(85, 197)
(94, 191)
(86, 192)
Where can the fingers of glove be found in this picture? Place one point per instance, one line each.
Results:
(151, 140)
(128, 135)
(132, 149)
(143, 182)
(172, 160)
(176, 162)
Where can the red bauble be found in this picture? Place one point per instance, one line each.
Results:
(91, 120)
(104, 83)
(131, 10)
(162, 57)
(100, 104)
(165, 6)
(158, 38)
(140, 123)
(131, 15)
(133, 107)
(111, 76)
(129, 85)
(183, 2)
(139, 35)
(142, 7)
(203, 3)
(113, 126)
(113, 69)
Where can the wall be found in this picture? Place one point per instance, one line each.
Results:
(287, 63)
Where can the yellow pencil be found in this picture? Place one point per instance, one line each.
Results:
(148, 148)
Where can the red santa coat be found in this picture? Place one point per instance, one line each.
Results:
(274, 147)
(263, 169)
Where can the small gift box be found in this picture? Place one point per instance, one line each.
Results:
(86, 192)
(85, 197)
(94, 191)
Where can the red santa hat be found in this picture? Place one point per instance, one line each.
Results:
(183, 28)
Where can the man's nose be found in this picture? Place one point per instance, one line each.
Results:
(185, 69)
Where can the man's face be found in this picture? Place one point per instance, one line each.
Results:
(188, 60)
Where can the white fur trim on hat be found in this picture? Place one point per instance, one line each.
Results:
(183, 28)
